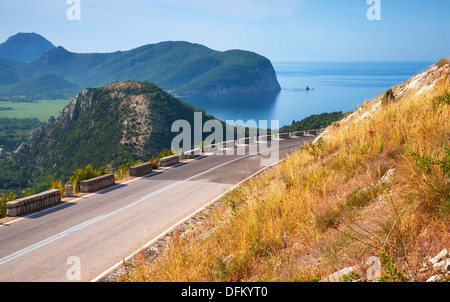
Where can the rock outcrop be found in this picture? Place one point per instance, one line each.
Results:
(439, 266)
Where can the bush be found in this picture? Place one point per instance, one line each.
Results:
(124, 170)
(57, 185)
(155, 163)
(165, 153)
(6, 197)
(388, 97)
(392, 274)
(425, 163)
(443, 99)
(162, 154)
(80, 175)
(442, 62)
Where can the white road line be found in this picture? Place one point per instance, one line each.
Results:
(48, 240)
(85, 224)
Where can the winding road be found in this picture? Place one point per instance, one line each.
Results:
(97, 231)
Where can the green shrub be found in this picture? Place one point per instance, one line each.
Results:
(124, 170)
(80, 175)
(391, 274)
(425, 163)
(388, 97)
(443, 99)
(6, 197)
(162, 154)
(155, 163)
(165, 153)
(352, 276)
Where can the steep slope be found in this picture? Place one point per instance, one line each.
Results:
(376, 184)
(181, 67)
(24, 47)
(105, 126)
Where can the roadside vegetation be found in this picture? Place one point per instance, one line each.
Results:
(79, 175)
(316, 121)
(325, 207)
(14, 131)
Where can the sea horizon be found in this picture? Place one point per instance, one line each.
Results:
(334, 86)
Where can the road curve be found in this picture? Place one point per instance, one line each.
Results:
(100, 229)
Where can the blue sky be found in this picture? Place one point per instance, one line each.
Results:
(282, 30)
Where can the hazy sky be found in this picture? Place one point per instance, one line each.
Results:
(282, 30)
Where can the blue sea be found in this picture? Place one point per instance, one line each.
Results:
(333, 87)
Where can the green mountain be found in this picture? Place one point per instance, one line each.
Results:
(8, 73)
(179, 67)
(104, 126)
(44, 86)
(24, 47)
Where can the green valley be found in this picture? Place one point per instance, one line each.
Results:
(40, 109)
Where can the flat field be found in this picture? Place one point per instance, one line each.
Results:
(42, 109)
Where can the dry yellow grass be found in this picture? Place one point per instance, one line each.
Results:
(308, 217)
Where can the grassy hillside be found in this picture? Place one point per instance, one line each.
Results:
(325, 207)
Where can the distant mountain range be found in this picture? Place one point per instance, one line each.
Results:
(33, 68)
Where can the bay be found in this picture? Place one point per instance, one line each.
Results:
(334, 86)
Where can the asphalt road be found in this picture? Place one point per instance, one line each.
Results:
(91, 234)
